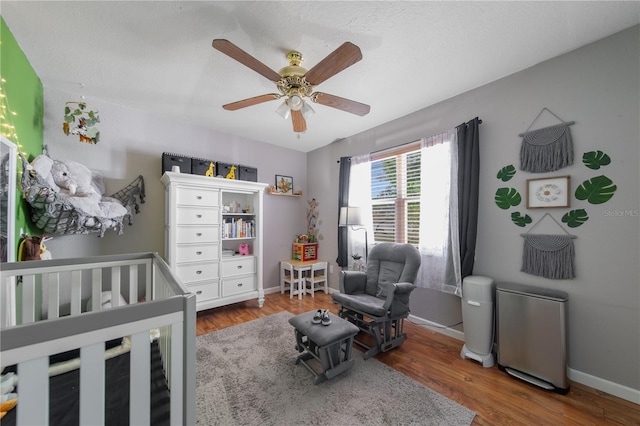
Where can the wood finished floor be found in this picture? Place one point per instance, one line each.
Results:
(433, 359)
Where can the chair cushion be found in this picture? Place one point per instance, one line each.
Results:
(372, 305)
(390, 263)
(389, 274)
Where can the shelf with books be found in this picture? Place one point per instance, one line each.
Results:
(238, 227)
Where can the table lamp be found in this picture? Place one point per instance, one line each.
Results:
(351, 216)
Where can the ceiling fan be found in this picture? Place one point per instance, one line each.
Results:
(296, 83)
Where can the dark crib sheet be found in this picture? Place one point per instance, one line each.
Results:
(64, 394)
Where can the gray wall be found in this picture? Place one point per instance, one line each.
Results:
(132, 143)
(598, 87)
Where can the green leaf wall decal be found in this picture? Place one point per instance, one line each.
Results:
(575, 218)
(506, 173)
(595, 159)
(520, 220)
(597, 190)
(507, 197)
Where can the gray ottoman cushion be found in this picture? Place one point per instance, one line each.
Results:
(323, 335)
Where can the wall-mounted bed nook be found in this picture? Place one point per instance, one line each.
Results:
(76, 355)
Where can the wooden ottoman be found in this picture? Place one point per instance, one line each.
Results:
(329, 344)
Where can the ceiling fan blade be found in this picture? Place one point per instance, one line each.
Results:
(341, 58)
(233, 51)
(340, 103)
(299, 123)
(251, 101)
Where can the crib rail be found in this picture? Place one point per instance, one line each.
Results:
(27, 340)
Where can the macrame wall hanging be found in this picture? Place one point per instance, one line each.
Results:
(549, 255)
(546, 149)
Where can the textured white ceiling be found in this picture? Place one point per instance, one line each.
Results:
(156, 56)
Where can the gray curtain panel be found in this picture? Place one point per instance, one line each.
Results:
(343, 201)
(468, 188)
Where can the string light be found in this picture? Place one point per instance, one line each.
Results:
(7, 127)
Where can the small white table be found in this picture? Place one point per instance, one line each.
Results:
(302, 266)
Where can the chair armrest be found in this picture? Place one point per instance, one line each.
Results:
(403, 288)
(398, 293)
(353, 282)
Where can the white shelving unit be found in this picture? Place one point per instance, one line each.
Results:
(206, 222)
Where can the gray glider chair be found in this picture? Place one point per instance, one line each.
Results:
(377, 301)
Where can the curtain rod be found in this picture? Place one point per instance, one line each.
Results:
(407, 143)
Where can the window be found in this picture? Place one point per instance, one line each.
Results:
(395, 195)
(396, 190)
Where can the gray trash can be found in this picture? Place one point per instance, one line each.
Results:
(532, 339)
(478, 316)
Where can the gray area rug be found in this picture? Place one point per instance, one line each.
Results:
(246, 376)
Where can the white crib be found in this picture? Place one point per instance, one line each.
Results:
(35, 325)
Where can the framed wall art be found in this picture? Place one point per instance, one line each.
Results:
(284, 184)
(549, 192)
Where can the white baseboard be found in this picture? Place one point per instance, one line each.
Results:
(456, 334)
(615, 389)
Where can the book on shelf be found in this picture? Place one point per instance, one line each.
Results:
(238, 228)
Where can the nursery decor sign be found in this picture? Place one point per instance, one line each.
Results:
(548, 192)
(284, 184)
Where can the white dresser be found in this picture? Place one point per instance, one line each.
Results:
(207, 223)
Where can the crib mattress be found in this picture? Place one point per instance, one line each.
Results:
(64, 394)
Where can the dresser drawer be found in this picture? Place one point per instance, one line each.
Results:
(205, 291)
(196, 252)
(238, 285)
(189, 273)
(197, 216)
(197, 197)
(239, 266)
(197, 234)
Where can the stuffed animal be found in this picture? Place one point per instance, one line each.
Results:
(74, 179)
(83, 189)
(42, 166)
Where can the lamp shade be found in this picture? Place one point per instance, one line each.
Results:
(307, 111)
(295, 102)
(283, 110)
(350, 216)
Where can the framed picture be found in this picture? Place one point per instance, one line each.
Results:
(284, 184)
(549, 192)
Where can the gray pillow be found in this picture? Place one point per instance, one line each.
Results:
(382, 291)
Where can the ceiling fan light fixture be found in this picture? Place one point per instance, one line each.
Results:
(295, 102)
(283, 110)
(307, 111)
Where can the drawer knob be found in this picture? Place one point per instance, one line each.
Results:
(198, 253)
(239, 284)
(198, 197)
(199, 234)
(198, 272)
(199, 216)
(239, 266)
(199, 292)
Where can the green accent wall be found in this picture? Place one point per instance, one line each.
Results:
(23, 97)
